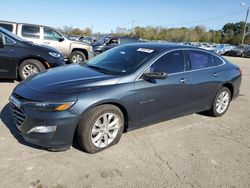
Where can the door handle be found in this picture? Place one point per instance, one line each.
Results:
(183, 81)
(215, 74)
(46, 42)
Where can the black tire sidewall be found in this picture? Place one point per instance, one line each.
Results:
(214, 111)
(33, 62)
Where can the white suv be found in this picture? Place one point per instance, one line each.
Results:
(74, 51)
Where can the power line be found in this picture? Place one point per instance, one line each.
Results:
(193, 22)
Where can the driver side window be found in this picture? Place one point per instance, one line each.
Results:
(172, 62)
(50, 34)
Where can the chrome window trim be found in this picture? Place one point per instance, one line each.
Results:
(183, 49)
(4, 42)
(13, 42)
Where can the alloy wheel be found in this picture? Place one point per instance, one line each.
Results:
(29, 70)
(105, 130)
(77, 58)
(222, 102)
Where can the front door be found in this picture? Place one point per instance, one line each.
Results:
(157, 99)
(56, 40)
(6, 58)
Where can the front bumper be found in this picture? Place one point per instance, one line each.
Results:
(25, 119)
(56, 62)
(90, 55)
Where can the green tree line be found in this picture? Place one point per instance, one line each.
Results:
(231, 33)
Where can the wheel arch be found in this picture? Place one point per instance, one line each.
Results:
(43, 61)
(111, 102)
(230, 87)
(85, 52)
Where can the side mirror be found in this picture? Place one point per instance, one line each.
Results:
(1, 41)
(61, 39)
(154, 75)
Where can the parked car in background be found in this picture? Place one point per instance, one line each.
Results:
(106, 43)
(224, 49)
(125, 88)
(74, 51)
(243, 51)
(19, 58)
(208, 47)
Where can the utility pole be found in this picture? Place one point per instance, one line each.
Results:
(245, 26)
(132, 29)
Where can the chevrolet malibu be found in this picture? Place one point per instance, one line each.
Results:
(122, 89)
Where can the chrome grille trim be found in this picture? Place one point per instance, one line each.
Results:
(18, 115)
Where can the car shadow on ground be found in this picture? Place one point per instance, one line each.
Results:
(8, 121)
(7, 80)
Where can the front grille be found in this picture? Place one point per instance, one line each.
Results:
(17, 113)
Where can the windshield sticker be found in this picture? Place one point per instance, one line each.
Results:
(145, 50)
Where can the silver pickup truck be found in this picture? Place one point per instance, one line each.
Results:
(75, 52)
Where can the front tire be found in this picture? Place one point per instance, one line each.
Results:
(77, 57)
(100, 128)
(221, 102)
(29, 67)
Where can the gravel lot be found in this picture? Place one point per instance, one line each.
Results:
(192, 151)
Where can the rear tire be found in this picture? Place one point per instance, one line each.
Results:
(29, 67)
(100, 128)
(77, 57)
(221, 102)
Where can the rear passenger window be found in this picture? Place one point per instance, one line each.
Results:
(8, 40)
(217, 61)
(31, 31)
(199, 60)
(171, 62)
(8, 27)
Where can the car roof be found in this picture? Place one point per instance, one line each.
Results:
(160, 46)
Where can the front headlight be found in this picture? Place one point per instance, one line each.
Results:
(50, 106)
(54, 54)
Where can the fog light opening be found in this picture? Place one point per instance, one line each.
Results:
(42, 129)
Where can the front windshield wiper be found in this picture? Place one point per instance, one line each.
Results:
(100, 69)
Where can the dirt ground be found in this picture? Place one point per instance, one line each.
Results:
(192, 151)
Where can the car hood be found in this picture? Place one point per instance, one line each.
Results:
(69, 79)
(42, 47)
(79, 43)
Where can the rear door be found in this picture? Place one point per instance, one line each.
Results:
(7, 69)
(204, 75)
(162, 99)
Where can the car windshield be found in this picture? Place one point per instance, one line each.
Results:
(121, 60)
(102, 40)
(11, 34)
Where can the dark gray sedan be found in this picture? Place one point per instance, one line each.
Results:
(122, 89)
